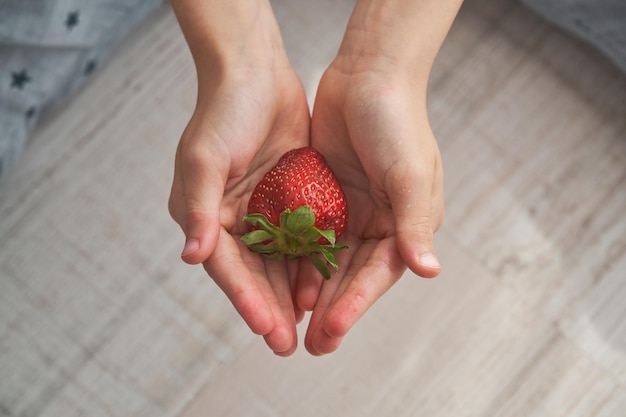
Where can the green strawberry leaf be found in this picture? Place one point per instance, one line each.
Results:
(330, 257)
(297, 236)
(257, 219)
(264, 249)
(284, 216)
(320, 265)
(298, 221)
(256, 236)
(311, 235)
(334, 248)
(329, 235)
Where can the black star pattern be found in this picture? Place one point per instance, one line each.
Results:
(90, 66)
(72, 19)
(30, 113)
(19, 79)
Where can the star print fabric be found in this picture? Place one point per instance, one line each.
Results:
(49, 48)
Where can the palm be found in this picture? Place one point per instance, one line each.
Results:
(373, 135)
(371, 226)
(233, 138)
(340, 301)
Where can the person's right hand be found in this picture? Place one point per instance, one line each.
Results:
(370, 120)
(251, 109)
(374, 131)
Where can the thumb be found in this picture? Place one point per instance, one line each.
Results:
(195, 201)
(410, 195)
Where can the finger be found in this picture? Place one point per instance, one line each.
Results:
(228, 269)
(374, 272)
(282, 339)
(293, 269)
(410, 188)
(202, 190)
(299, 314)
(326, 295)
(438, 203)
(308, 285)
(329, 290)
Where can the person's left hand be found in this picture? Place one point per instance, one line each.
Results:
(374, 132)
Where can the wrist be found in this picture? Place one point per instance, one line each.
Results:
(396, 35)
(228, 36)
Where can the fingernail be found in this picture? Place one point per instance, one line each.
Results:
(191, 245)
(430, 261)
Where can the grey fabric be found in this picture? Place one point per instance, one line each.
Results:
(602, 23)
(49, 48)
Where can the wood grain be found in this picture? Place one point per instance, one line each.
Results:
(99, 317)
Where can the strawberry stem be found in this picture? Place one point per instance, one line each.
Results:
(296, 236)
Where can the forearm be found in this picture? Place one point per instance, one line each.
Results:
(224, 35)
(397, 33)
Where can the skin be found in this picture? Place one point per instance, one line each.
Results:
(251, 107)
(369, 120)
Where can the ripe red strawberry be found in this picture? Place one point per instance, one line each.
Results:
(298, 209)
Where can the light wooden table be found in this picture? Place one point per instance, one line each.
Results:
(98, 316)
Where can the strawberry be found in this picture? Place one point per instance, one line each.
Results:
(298, 209)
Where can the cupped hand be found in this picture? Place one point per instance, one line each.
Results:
(244, 120)
(373, 129)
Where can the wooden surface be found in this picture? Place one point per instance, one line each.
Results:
(99, 317)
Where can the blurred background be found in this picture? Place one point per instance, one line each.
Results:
(99, 317)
